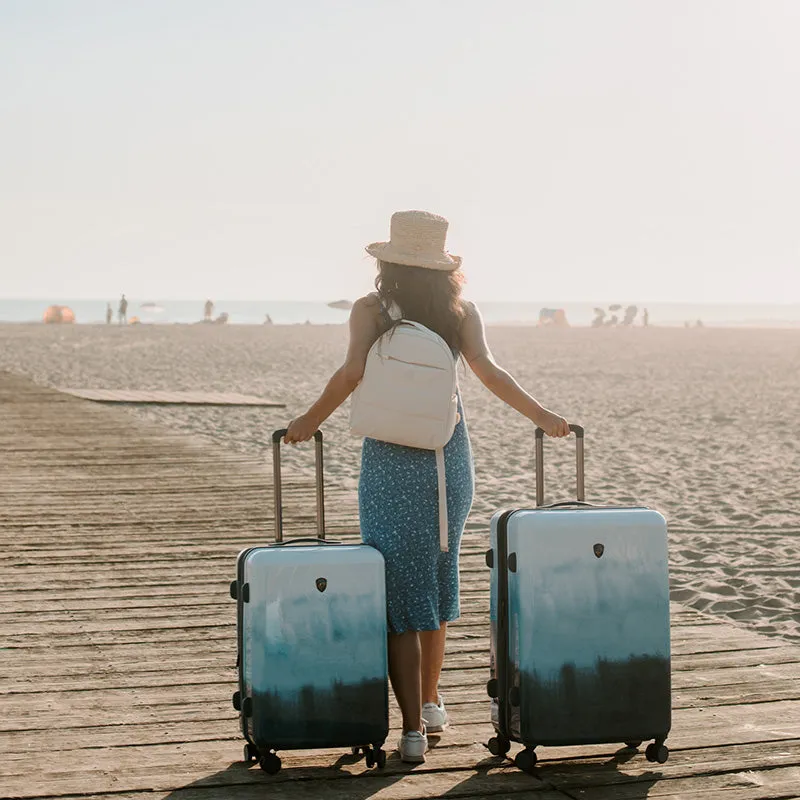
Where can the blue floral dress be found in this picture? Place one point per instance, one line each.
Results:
(399, 510)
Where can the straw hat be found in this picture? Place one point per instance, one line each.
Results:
(417, 240)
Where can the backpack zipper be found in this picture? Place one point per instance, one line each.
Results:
(411, 363)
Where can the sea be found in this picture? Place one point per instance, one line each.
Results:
(256, 312)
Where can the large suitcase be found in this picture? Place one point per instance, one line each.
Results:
(312, 641)
(580, 643)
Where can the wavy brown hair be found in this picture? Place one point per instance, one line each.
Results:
(428, 296)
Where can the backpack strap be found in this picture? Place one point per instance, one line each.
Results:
(444, 526)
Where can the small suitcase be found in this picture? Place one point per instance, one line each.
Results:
(580, 642)
(312, 641)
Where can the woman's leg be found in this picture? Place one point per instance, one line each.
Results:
(432, 657)
(405, 671)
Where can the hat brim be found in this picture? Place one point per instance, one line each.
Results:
(384, 251)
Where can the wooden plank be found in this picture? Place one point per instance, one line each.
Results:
(20, 612)
(160, 398)
(627, 766)
(766, 784)
(558, 768)
(90, 660)
(236, 781)
(459, 685)
(62, 706)
(562, 767)
(340, 783)
(692, 730)
(258, 791)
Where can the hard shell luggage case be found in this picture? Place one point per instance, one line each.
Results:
(580, 642)
(312, 641)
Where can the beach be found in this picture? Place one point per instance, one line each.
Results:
(697, 423)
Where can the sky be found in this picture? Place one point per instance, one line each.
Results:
(249, 149)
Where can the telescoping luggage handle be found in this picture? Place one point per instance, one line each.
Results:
(277, 437)
(578, 431)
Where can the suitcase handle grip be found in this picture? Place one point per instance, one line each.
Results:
(277, 437)
(576, 429)
(579, 467)
(306, 540)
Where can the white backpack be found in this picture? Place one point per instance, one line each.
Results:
(408, 396)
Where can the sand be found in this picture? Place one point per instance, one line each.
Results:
(701, 424)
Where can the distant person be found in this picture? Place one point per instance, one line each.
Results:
(109, 313)
(122, 312)
(699, 323)
(645, 318)
(208, 311)
(268, 320)
(398, 488)
(599, 318)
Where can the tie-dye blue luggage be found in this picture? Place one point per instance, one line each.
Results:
(580, 643)
(312, 642)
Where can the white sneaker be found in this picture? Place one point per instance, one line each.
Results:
(434, 716)
(413, 746)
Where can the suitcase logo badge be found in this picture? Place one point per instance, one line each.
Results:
(598, 549)
(322, 584)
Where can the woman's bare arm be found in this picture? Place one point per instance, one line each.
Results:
(364, 330)
(499, 381)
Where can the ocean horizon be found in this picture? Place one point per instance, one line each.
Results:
(254, 312)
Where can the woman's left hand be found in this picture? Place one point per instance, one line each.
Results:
(300, 430)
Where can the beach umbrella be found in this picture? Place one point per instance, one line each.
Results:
(560, 318)
(58, 314)
(343, 305)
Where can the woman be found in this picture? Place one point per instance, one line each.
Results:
(398, 500)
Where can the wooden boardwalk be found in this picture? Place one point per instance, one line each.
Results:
(117, 642)
(156, 398)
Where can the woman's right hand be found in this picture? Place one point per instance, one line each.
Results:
(300, 430)
(552, 424)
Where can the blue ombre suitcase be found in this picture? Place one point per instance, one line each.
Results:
(312, 642)
(580, 643)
